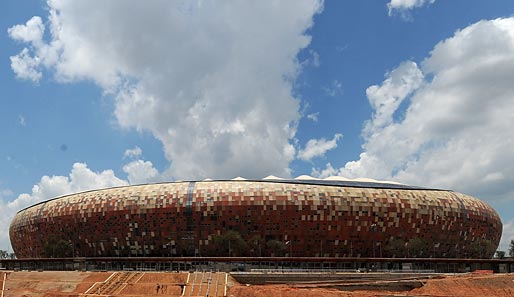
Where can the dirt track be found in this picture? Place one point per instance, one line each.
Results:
(54, 283)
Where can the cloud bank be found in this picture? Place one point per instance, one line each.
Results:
(447, 123)
(212, 81)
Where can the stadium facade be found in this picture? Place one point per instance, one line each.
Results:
(303, 217)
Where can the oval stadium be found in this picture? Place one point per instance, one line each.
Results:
(303, 217)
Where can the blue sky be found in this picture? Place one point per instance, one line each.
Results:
(99, 94)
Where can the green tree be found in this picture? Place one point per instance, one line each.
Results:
(256, 246)
(4, 254)
(275, 248)
(417, 247)
(230, 244)
(511, 248)
(57, 248)
(500, 254)
(481, 248)
(395, 248)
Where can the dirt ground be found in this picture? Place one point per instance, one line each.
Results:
(54, 283)
(75, 283)
(497, 285)
(91, 279)
(476, 286)
(146, 285)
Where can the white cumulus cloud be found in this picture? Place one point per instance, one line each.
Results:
(133, 153)
(26, 66)
(386, 98)
(29, 62)
(32, 31)
(141, 172)
(191, 73)
(405, 5)
(318, 147)
(328, 171)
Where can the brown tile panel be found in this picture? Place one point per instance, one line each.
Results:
(317, 219)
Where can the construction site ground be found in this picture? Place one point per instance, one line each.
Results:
(208, 283)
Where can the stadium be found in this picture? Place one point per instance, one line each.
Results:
(302, 217)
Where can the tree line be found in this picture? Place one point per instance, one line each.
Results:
(232, 244)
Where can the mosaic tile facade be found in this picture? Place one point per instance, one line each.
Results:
(184, 218)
